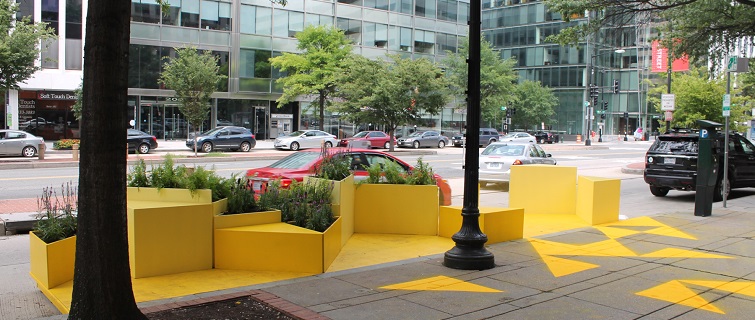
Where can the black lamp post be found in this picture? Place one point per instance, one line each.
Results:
(469, 252)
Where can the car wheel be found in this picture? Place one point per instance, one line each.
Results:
(659, 191)
(328, 144)
(29, 151)
(718, 194)
(245, 146)
(415, 144)
(387, 145)
(542, 140)
(294, 146)
(143, 148)
(207, 147)
(441, 144)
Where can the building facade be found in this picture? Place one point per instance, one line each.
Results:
(519, 28)
(243, 34)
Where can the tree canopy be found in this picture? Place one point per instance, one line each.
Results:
(390, 93)
(534, 104)
(313, 71)
(701, 29)
(194, 77)
(497, 77)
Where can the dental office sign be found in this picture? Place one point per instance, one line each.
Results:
(55, 95)
(660, 60)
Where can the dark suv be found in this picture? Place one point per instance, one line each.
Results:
(671, 163)
(487, 136)
(231, 138)
(544, 137)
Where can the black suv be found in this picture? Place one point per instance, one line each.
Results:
(487, 136)
(544, 137)
(231, 138)
(671, 163)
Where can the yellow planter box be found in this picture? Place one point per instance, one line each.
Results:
(51, 264)
(277, 247)
(220, 206)
(396, 209)
(529, 189)
(169, 195)
(499, 224)
(598, 199)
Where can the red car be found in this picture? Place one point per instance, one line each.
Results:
(377, 139)
(298, 165)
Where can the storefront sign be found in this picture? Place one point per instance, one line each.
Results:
(55, 95)
(281, 116)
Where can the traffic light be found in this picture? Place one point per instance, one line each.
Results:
(626, 115)
(615, 86)
(508, 113)
(594, 90)
(595, 102)
(605, 105)
(513, 111)
(603, 116)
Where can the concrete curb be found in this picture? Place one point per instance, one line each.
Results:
(629, 170)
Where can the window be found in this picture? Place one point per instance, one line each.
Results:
(190, 13)
(73, 35)
(447, 10)
(145, 11)
(424, 41)
(425, 8)
(352, 29)
(287, 23)
(173, 18)
(254, 63)
(50, 15)
(215, 15)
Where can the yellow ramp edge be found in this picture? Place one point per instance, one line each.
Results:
(677, 293)
(440, 283)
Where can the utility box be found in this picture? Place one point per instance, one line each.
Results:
(707, 167)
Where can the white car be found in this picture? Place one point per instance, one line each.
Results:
(19, 143)
(518, 137)
(497, 158)
(305, 139)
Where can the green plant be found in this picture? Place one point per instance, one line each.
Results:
(422, 174)
(394, 173)
(333, 166)
(167, 175)
(374, 172)
(65, 144)
(138, 175)
(241, 198)
(305, 205)
(58, 218)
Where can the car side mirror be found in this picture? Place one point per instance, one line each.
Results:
(548, 155)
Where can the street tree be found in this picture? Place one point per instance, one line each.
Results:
(698, 97)
(19, 48)
(312, 72)
(702, 29)
(497, 78)
(102, 279)
(194, 77)
(391, 93)
(534, 104)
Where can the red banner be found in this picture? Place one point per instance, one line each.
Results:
(660, 60)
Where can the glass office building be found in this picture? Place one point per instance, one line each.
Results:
(518, 29)
(243, 34)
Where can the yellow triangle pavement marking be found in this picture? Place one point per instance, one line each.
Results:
(670, 232)
(609, 247)
(662, 229)
(439, 283)
(560, 267)
(615, 233)
(675, 292)
(740, 287)
(681, 253)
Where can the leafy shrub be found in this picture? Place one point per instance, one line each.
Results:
(58, 218)
(138, 175)
(166, 175)
(422, 174)
(65, 144)
(241, 198)
(333, 166)
(305, 205)
(393, 173)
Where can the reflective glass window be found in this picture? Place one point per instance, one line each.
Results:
(448, 10)
(173, 17)
(50, 15)
(352, 29)
(190, 13)
(145, 11)
(254, 63)
(73, 35)
(424, 8)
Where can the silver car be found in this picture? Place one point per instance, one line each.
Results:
(14, 143)
(423, 139)
(519, 137)
(305, 139)
(496, 160)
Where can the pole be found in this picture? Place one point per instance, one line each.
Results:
(725, 179)
(668, 82)
(469, 252)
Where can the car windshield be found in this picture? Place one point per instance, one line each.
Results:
(503, 150)
(296, 133)
(213, 131)
(361, 134)
(416, 134)
(510, 135)
(295, 160)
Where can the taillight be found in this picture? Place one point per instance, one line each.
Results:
(252, 136)
(154, 139)
(285, 183)
(517, 162)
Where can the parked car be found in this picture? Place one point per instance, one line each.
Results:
(377, 139)
(140, 142)
(305, 139)
(497, 158)
(544, 137)
(298, 165)
(420, 139)
(671, 163)
(487, 136)
(15, 143)
(230, 138)
(38, 121)
(518, 136)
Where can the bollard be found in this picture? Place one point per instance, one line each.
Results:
(41, 151)
(75, 152)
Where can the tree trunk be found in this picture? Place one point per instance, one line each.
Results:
(102, 278)
(322, 110)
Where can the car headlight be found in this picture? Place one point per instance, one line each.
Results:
(409, 140)
(650, 159)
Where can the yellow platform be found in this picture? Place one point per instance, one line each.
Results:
(396, 209)
(498, 224)
(598, 199)
(543, 189)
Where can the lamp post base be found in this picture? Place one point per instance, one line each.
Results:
(469, 258)
(588, 142)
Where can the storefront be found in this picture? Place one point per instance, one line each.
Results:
(48, 114)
